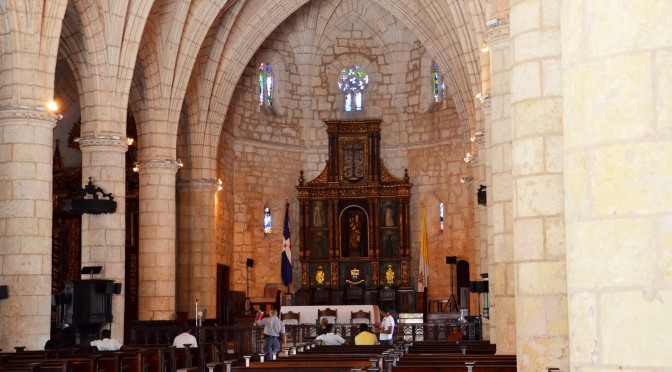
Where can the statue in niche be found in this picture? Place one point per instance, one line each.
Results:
(354, 234)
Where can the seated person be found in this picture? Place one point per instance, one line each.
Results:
(59, 341)
(365, 337)
(331, 338)
(322, 329)
(186, 337)
(106, 343)
(455, 335)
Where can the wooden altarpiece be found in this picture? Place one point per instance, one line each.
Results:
(354, 220)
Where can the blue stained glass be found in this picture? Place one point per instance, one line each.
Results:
(438, 86)
(358, 101)
(348, 102)
(267, 220)
(265, 84)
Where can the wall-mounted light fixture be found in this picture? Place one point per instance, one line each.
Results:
(477, 135)
(136, 167)
(219, 184)
(492, 22)
(467, 179)
(485, 48)
(129, 140)
(469, 157)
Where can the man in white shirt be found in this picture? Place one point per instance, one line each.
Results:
(331, 338)
(386, 329)
(106, 343)
(185, 338)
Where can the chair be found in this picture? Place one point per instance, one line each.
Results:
(387, 298)
(360, 316)
(291, 317)
(353, 295)
(328, 313)
(320, 296)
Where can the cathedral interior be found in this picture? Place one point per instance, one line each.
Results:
(176, 149)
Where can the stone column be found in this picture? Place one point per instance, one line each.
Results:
(617, 124)
(104, 235)
(156, 259)
(500, 192)
(197, 258)
(538, 221)
(26, 151)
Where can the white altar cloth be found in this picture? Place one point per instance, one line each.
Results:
(308, 314)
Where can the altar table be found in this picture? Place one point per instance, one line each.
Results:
(308, 314)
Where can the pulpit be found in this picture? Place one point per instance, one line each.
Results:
(354, 218)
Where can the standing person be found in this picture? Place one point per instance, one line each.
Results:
(186, 337)
(106, 342)
(386, 329)
(274, 332)
(365, 337)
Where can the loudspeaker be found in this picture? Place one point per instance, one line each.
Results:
(250, 262)
(4, 292)
(117, 288)
(451, 259)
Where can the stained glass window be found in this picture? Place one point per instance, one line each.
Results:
(265, 85)
(352, 82)
(439, 87)
(267, 220)
(441, 216)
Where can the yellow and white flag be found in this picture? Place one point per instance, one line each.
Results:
(423, 272)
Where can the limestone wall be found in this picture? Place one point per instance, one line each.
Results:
(272, 146)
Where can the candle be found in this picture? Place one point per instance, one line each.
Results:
(196, 313)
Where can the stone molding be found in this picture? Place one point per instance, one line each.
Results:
(103, 140)
(168, 164)
(27, 112)
(200, 184)
(497, 34)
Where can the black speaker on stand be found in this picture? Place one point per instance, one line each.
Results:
(248, 303)
(452, 302)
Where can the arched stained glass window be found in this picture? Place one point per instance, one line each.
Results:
(267, 220)
(265, 85)
(438, 86)
(352, 82)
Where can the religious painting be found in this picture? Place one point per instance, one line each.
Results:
(319, 245)
(389, 242)
(388, 213)
(354, 233)
(319, 213)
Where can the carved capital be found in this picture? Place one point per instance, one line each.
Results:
(106, 140)
(27, 112)
(497, 34)
(201, 184)
(169, 164)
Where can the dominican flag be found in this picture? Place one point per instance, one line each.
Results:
(286, 251)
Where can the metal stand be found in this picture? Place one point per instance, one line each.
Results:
(452, 302)
(248, 302)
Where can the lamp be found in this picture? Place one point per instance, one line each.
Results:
(466, 179)
(485, 48)
(470, 157)
(493, 22)
(477, 135)
(219, 184)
